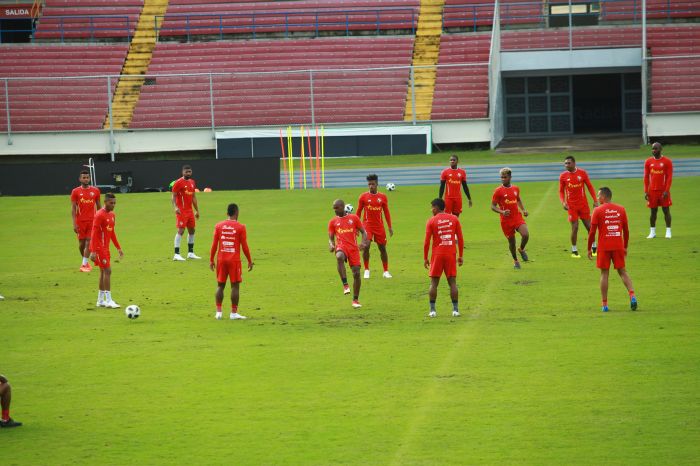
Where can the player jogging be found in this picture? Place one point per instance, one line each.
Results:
(442, 229)
(230, 238)
(610, 220)
(658, 176)
(342, 241)
(183, 199)
(573, 183)
(102, 233)
(84, 200)
(452, 181)
(506, 202)
(374, 204)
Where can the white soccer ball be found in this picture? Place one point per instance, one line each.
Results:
(349, 208)
(390, 186)
(132, 311)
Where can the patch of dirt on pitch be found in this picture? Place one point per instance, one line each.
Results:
(525, 282)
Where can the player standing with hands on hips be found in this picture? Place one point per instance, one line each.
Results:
(342, 241)
(658, 176)
(183, 199)
(102, 233)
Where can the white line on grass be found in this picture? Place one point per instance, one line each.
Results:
(466, 332)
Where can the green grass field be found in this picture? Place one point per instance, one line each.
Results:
(532, 373)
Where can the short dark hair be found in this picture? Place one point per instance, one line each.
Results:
(372, 177)
(570, 157)
(232, 209)
(606, 192)
(455, 156)
(186, 167)
(110, 196)
(84, 172)
(439, 203)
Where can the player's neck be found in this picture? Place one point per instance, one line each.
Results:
(657, 158)
(506, 185)
(85, 186)
(573, 170)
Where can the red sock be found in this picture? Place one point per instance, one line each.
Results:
(386, 266)
(631, 293)
(366, 264)
(218, 307)
(5, 414)
(605, 302)
(234, 309)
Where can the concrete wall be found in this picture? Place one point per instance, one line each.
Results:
(673, 124)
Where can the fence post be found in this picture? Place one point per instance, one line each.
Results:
(7, 106)
(413, 93)
(111, 119)
(571, 29)
(211, 106)
(313, 105)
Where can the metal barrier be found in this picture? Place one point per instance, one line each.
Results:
(92, 25)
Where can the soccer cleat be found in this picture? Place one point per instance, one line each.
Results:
(455, 314)
(386, 274)
(236, 316)
(218, 315)
(111, 304)
(523, 254)
(432, 314)
(516, 265)
(356, 304)
(85, 268)
(191, 255)
(366, 273)
(575, 255)
(651, 235)
(668, 234)
(10, 423)
(633, 303)
(594, 252)
(1, 297)
(178, 257)
(100, 304)
(346, 289)
(605, 308)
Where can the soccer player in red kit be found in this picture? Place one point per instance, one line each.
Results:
(658, 176)
(610, 220)
(102, 233)
(230, 238)
(342, 241)
(442, 229)
(84, 200)
(374, 204)
(452, 181)
(183, 199)
(5, 400)
(573, 183)
(506, 202)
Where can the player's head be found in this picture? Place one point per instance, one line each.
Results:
(570, 163)
(186, 172)
(232, 210)
(454, 160)
(656, 149)
(110, 201)
(604, 195)
(506, 174)
(84, 177)
(339, 207)
(372, 182)
(437, 205)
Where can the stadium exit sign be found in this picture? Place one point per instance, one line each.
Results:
(16, 11)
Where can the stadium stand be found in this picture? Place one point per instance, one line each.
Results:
(474, 14)
(88, 19)
(280, 96)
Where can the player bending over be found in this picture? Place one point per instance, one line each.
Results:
(573, 183)
(658, 176)
(452, 181)
(85, 200)
(373, 204)
(506, 202)
(442, 228)
(230, 238)
(183, 199)
(342, 241)
(610, 220)
(102, 233)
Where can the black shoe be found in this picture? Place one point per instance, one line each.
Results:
(523, 254)
(10, 423)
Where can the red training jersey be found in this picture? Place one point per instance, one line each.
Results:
(443, 228)
(345, 229)
(453, 181)
(85, 199)
(103, 231)
(658, 174)
(230, 238)
(507, 198)
(373, 206)
(611, 222)
(572, 187)
(184, 193)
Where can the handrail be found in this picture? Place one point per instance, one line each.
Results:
(91, 25)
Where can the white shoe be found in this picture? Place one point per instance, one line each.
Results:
(111, 304)
(236, 316)
(178, 257)
(455, 314)
(1, 297)
(366, 273)
(651, 235)
(432, 314)
(218, 316)
(386, 274)
(668, 234)
(356, 304)
(100, 304)
(191, 255)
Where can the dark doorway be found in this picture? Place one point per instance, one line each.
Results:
(597, 103)
(15, 30)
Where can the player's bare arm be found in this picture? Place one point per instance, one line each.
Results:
(196, 206)
(442, 189)
(331, 242)
(175, 207)
(74, 214)
(364, 243)
(466, 192)
(495, 208)
(522, 207)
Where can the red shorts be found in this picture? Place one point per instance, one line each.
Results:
(378, 235)
(579, 211)
(657, 199)
(102, 259)
(617, 257)
(229, 269)
(453, 205)
(84, 229)
(352, 255)
(443, 263)
(185, 220)
(509, 228)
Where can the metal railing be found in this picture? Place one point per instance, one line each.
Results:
(78, 27)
